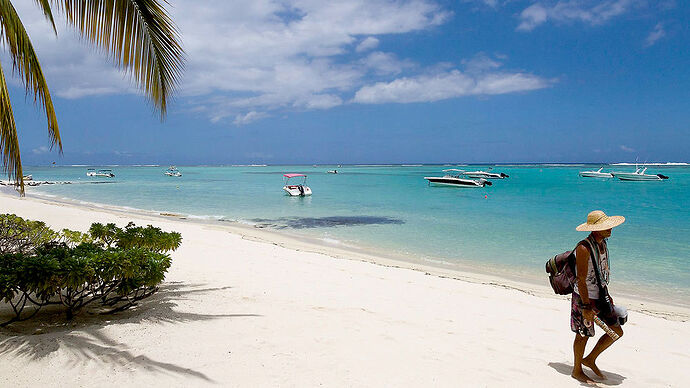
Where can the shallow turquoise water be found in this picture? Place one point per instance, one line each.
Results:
(515, 225)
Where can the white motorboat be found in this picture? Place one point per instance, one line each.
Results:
(101, 173)
(28, 177)
(485, 174)
(296, 190)
(332, 171)
(596, 174)
(452, 178)
(172, 171)
(639, 175)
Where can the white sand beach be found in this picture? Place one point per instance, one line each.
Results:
(244, 307)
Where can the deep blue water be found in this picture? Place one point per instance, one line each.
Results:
(514, 225)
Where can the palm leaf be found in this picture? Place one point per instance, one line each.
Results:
(47, 12)
(140, 37)
(25, 63)
(9, 142)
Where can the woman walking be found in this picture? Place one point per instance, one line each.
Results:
(590, 296)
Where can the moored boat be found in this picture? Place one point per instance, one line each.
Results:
(639, 175)
(296, 190)
(172, 171)
(453, 179)
(100, 173)
(596, 174)
(485, 174)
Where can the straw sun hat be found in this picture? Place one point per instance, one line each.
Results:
(598, 220)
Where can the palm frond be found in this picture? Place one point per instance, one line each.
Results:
(25, 63)
(9, 141)
(140, 37)
(47, 12)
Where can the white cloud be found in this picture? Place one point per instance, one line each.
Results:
(490, 3)
(367, 44)
(247, 55)
(657, 33)
(429, 88)
(626, 148)
(250, 59)
(248, 118)
(480, 77)
(385, 63)
(567, 11)
(41, 150)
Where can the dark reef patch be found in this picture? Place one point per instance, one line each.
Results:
(323, 222)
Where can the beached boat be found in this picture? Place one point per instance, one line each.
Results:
(485, 174)
(596, 174)
(172, 171)
(296, 190)
(100, 173)
(453, 179)
(639, 175)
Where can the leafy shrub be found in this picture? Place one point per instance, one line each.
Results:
(112, 267)
(18, 235)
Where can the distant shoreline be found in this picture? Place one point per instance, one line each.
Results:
(411, 164)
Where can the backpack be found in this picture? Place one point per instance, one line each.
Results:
(561, 270)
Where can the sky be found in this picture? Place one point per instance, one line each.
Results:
(379, 81)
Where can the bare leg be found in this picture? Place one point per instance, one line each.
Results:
(604, 342)
(579, 350)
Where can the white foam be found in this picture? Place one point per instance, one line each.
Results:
(331, 241)
(651, 164)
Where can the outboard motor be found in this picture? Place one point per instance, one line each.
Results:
(488, 183)
(301, 190)
(504, 175)
(662, 176)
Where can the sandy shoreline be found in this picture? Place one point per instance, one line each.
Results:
(243, 306)
(532, 283)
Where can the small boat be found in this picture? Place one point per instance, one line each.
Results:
(101, 173)
(639, 175)
(28, 177)
(452, 178)
(332, 171)
(296, 190)
(485, 174)
(172, 171)
(596, 174)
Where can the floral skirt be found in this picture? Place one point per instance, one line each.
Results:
(577, 321)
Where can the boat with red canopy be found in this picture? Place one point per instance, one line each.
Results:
(296, 190)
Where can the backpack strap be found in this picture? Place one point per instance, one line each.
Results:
(603, 290)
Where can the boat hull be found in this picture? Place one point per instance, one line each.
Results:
(637, 177)
(456, 182)
(297, 190)
(595, 174)
(485, 175)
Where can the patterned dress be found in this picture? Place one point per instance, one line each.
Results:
(577, 322)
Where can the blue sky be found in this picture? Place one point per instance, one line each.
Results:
(369, 81)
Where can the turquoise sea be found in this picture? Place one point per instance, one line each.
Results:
(512, 227)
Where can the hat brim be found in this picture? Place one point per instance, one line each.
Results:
(609, 223)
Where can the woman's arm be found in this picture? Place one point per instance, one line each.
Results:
(582, 267)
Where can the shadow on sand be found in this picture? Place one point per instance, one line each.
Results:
(83, 336)
(611, 378)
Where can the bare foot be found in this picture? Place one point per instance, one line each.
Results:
(582, 377)
(591, 365)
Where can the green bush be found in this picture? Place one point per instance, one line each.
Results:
(18, 235)
(108, 266)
